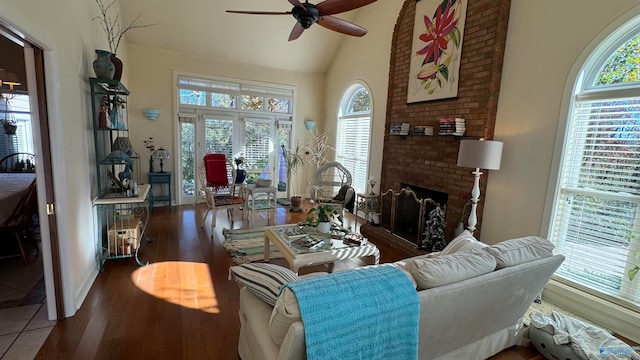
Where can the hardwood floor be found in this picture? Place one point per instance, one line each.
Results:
(180, 306)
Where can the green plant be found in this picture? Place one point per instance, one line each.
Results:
(634, 271)
(324, 213)
(293, 159)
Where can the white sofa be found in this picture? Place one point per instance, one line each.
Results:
(473, 318)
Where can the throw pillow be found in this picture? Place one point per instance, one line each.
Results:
(465, 241)
(442, 270)
(521, 250)
(264, 280)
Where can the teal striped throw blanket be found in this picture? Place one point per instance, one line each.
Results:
(367, 313)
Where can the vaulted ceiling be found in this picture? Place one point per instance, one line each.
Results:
(202, 28)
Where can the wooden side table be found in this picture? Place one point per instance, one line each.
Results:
(367, 203)
(160, 178)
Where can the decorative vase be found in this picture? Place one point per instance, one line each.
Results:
(241, 174)
(102, 65)
(118, 65)
(324, 227)
(150, 164)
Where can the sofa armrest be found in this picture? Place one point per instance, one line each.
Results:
(294, 346)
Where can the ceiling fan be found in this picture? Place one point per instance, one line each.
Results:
(307, 14)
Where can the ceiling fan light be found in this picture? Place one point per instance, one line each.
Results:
(306, 21)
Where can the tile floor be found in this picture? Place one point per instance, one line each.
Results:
(23, 313)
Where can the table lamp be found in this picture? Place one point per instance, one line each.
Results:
(161, 154)
(478, 154)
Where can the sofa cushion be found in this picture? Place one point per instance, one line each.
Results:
(264, 280)
(517, 251)
(465, 241)
(285, 312)
(442, 270)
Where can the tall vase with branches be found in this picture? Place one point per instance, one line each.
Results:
(114, 31)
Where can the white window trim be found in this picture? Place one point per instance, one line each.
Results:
(348, 92)
(283, 91)
(605, 313)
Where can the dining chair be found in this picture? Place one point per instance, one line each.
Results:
(21, 221)
(217, 180)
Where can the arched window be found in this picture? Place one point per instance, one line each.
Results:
(596, 216)
(354, 134)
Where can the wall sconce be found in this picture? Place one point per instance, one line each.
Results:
(150, 113)
(309, 124)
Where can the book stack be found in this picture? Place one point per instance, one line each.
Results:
(308, 243)
(423, 130)
(399, 129)
(452, 126)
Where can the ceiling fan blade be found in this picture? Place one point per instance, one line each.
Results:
(331, 7)
(297, 3)
(343, 26)
(296, 32)
(260, 12)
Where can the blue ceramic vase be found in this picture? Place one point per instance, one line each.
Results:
(102, 65)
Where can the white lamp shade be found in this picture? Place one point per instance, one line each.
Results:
(480, 154)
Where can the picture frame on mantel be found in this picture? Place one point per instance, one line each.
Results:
(436, 49)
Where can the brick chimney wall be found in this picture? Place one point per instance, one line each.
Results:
(430, 161)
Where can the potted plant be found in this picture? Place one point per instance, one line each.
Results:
(293, 159)
(10, 126)
(325, 213)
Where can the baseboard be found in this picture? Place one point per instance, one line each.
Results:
(619, 319)
(84, 290)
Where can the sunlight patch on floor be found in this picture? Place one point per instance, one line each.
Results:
(182, 283)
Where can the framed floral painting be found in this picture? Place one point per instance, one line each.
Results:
(436, 48)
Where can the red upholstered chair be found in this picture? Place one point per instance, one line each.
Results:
(218, 177)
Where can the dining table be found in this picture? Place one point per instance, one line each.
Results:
(13, 187)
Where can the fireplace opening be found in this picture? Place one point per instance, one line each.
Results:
(405, 213)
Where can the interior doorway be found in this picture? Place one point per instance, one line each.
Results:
(34, 275)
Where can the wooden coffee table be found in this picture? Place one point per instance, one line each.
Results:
(298, 257)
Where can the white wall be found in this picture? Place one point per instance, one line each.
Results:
(366, 59)
(65, 30)
(151, 71)
(537, 65)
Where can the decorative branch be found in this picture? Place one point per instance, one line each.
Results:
(112, 27)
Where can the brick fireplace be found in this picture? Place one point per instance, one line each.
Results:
(430, 161)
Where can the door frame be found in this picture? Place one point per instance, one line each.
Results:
(36, 59)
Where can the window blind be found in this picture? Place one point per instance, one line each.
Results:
(352, 148)
(597, 222)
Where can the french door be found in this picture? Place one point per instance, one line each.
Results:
(235, 135)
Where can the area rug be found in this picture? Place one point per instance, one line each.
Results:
(247, 245)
